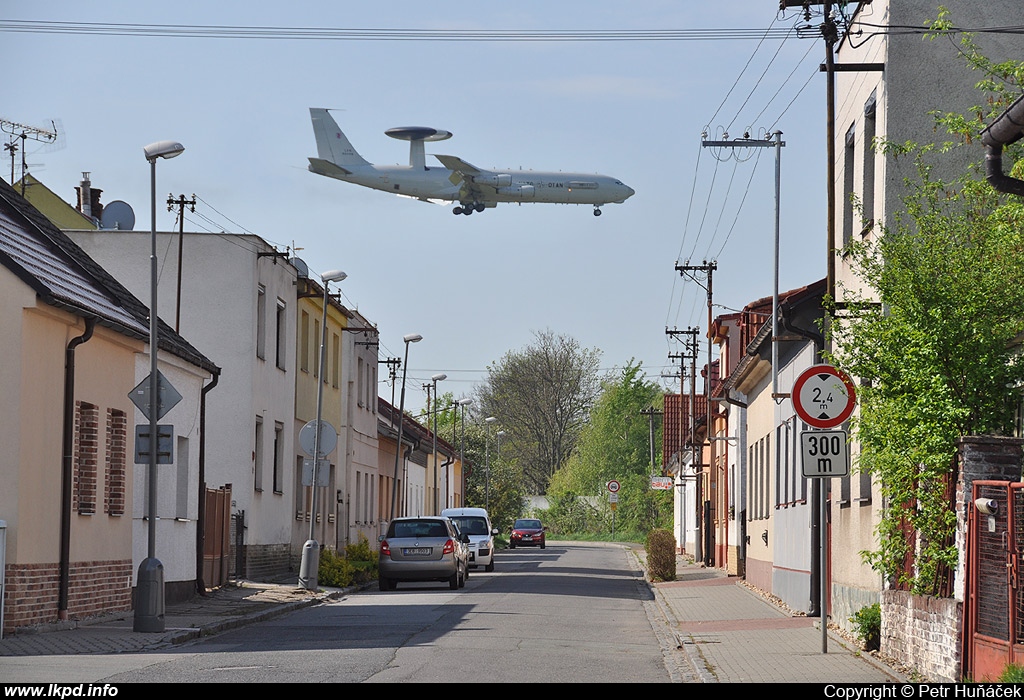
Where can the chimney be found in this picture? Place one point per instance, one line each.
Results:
(89, 199)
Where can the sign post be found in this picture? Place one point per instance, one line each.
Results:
(824, 398)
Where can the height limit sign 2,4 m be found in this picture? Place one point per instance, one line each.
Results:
(824, 397)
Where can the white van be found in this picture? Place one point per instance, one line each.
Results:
(475, 523)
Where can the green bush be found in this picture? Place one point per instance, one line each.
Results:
(356, 566)
(661, 555)
(1012, 674)
(867, 623)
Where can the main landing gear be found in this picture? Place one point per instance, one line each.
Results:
(468, 209)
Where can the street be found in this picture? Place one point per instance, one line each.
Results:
(573, 612)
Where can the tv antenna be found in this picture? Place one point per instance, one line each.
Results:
(24, 132)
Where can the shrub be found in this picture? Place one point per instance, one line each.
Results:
(1012, 674)
(867, 624)
(661, 555)
(335, 570)
(357, 565)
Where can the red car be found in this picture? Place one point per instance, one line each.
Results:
(527, 532)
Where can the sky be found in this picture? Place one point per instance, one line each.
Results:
(475, 287)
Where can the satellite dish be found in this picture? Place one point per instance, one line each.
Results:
(301, 267)
(118, 215)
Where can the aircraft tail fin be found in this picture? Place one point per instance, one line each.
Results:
(331, 143)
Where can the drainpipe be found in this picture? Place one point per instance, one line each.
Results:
(1006, 129)
(201, 520)
(67, 468)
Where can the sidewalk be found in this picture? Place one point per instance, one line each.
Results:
(235, 604)
(732, 634)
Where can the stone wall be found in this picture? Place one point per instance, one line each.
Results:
(923, 633)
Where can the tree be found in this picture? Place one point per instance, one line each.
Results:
(541, 396)
(615, 444)
(935, 345)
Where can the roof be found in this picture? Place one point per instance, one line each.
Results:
(411, 428)
(63, 275)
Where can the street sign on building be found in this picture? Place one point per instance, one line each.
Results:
(663, 483)
(824, 396)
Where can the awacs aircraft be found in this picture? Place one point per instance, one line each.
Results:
(472, 188)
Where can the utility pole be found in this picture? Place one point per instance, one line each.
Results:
(651, 413)
(181, 203)
(393, 364)
(695, 453)
(708, 268)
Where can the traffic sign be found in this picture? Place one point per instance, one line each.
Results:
(328, 438)
(824, 396)
(825, 453)
(167, 397)
(613, 486)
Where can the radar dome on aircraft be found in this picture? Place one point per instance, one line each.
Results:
(418, 133)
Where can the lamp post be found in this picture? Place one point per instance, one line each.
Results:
(149, 608)
(439, 377)
(462, 447)
(411, 338)
(487, 462)
(309, 567)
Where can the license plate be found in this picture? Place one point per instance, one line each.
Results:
(526, 538)
(416, 551)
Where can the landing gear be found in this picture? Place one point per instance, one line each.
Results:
(468, 208)
(597, 210)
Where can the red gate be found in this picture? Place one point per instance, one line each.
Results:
(994, 610)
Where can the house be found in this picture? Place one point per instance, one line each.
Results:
(76, 343)
(891, 96)
(237, 301)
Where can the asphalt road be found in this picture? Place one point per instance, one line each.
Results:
(568, 613)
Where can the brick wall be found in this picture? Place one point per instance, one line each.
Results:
(87, 425)
(923, 633)
(114, 492)
(265, 561)
(96, 588)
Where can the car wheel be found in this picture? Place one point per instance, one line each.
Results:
(453, 581)
(511, 546)
(490, 566)
(383, 584)
(543, 545)
(462, 581)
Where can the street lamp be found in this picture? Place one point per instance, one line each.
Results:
(462, 447)
(309, 567)
(411, 338)
(487, 462)
(149, 608)
(439, 377)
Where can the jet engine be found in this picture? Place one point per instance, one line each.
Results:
(519, 191)
(493, 179)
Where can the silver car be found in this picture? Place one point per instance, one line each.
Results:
(423, 548)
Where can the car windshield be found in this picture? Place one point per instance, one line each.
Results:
(527, 525)
(472, 525)
(418, 528)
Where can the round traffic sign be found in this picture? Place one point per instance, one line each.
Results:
(824, 396)
(613, 486)
(328, 438)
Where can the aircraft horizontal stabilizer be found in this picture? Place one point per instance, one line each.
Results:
(326, 167)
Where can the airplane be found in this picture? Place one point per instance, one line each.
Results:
(472, 189)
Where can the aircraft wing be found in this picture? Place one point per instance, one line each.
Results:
(471, 190)
(326, 167)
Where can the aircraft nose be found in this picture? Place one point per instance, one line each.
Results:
(629, 191)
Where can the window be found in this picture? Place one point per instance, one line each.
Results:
(281, 350)
(278, 457)
(304, 344)
(335, 360)
(261, 322)
(257, 457)
(86, 456)
(117, 460)
(848, 157)
(868, 146)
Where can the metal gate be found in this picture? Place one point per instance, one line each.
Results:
(217, 537)
(994, 610)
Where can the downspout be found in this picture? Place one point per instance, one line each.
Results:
(67, 468)
(815, 606)
(1006, 129)
(201, 521)
(741, 486)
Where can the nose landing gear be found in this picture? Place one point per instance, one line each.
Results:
(597, 210)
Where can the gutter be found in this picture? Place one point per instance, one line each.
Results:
(201, 521)
(67, 467)
(1006, 129)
